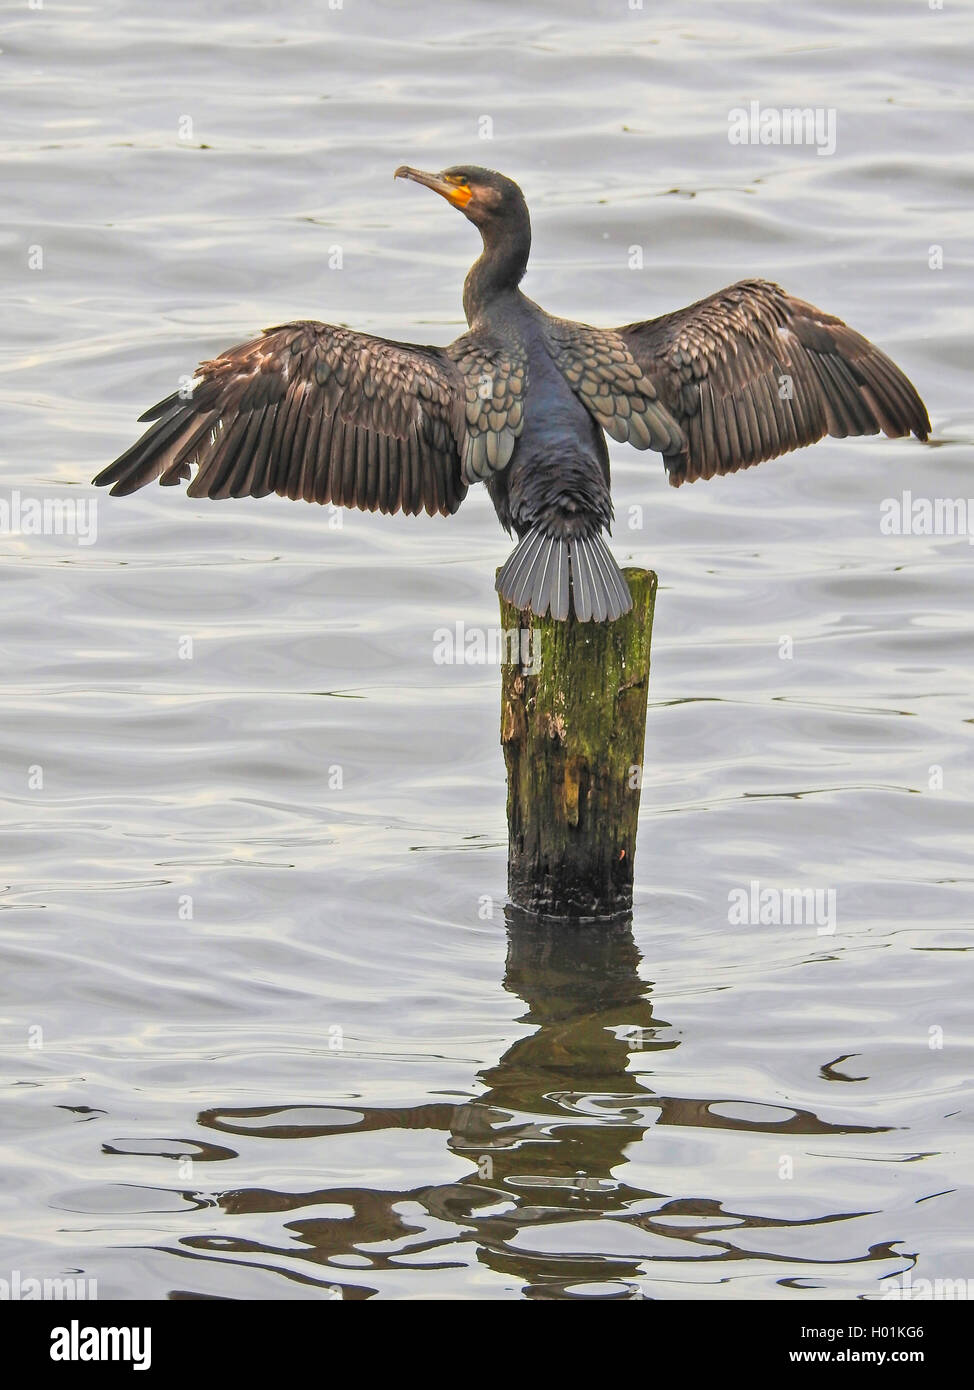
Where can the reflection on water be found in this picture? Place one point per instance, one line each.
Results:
(546, 1141)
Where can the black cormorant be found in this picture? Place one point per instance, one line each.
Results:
(520, 402)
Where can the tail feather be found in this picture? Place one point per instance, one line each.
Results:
(561, 585)
(549, 574)
(523, 581)
(604, 580)
(583, 583)
(543, 573)
(614, 579)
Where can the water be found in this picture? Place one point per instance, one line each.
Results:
(266, 1036)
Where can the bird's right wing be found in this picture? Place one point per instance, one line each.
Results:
(312, 411)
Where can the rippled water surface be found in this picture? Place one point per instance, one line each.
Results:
(268, 1036)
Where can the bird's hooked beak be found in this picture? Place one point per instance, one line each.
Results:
(454, 193)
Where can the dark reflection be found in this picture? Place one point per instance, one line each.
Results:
(546, 1144)
(590, 1009)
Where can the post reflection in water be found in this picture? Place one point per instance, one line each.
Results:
(551, 1130)
(546, 1141)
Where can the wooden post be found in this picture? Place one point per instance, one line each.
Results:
(573, 725)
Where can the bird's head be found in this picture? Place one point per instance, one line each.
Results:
(487, 198)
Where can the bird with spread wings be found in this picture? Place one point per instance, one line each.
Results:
(522, 402)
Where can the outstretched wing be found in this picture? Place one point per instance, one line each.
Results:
(751, 373)
(311, 411)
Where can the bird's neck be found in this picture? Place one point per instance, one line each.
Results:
(500, 267)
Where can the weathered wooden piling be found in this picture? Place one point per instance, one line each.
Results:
(573, 727)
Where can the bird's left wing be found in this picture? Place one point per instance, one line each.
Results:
(750, 373)
(312, 411)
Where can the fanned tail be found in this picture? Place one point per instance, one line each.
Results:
(549, 574)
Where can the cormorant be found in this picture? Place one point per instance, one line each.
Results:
(520, 402)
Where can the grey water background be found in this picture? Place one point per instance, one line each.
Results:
(268, 1036)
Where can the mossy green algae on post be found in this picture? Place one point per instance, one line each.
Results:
(573, 726)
